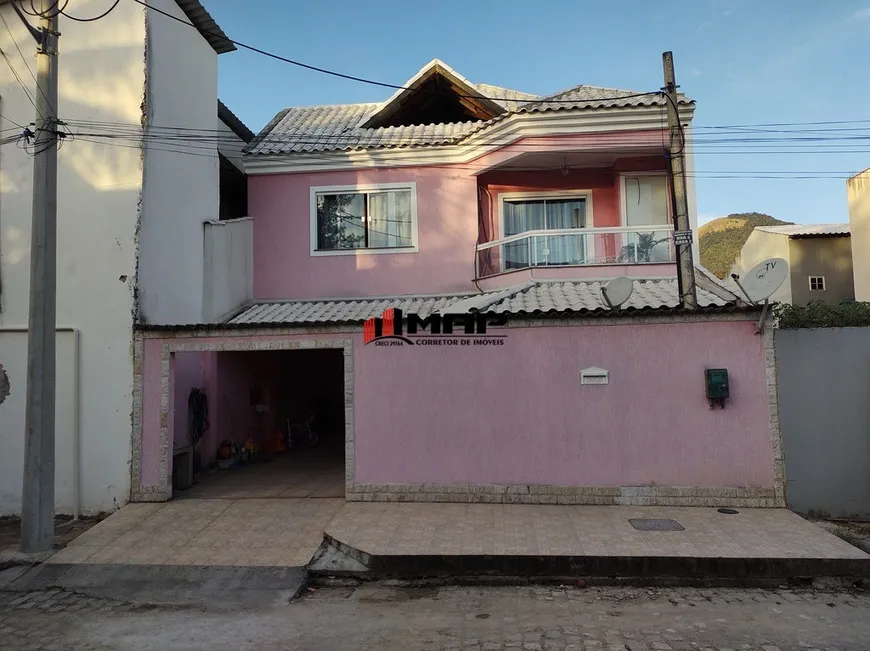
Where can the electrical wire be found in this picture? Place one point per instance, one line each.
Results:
(372, 82)
(95, 18)
(713, 174)
(29, 69)
(3, 117)
(30, 97)
(38, 14)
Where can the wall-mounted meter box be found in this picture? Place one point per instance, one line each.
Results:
(717, 383)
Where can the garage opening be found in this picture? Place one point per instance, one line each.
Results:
(258, 424)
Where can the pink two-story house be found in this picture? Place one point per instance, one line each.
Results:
(370, 222)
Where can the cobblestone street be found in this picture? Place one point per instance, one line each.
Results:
(458, 619)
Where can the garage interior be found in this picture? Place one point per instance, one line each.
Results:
(258, 424)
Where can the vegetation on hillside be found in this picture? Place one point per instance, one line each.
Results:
(721, 239)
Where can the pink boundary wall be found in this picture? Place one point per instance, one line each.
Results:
(517, 414)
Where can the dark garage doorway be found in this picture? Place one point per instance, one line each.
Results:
(276, 423)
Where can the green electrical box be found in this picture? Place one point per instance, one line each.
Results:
(717, 383)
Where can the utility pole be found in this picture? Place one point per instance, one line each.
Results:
(679, 198)
(37, 504)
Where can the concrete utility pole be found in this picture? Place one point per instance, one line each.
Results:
(680, 200)
(37, 504)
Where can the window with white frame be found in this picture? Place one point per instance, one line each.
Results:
(817, 283)
(557, 213)
(380, 218)
(646, 200)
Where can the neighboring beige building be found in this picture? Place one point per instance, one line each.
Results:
(858, 190)
(819, 258)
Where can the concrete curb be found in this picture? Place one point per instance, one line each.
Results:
(15, 558)
(592, 570)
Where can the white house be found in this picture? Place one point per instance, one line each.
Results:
(131, 215)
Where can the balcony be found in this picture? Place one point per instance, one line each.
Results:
(576, 247)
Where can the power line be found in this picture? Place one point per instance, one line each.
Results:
(20, 126)
(27, 65)
(30, 97)
(712, 174)
(382, 84)
(95, 18)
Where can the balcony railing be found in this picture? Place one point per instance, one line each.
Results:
(576, 247)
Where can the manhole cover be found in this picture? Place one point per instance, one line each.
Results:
(728, 511)
(653, 524)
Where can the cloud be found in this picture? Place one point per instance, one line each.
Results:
(861, 14)
(727, 12)
(695, 72)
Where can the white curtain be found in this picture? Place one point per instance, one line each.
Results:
(389, 219)
(521, 217)
(564, 249)
(555, 214)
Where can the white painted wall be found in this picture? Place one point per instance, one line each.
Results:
(101, 78)
(858, 192)
(13, 353)
(761, 245)
(690, 193)
(229, 266)
(181, 190)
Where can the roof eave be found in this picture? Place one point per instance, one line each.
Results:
(663, 310)
(234, 123)
(810, 236)
(206, 25)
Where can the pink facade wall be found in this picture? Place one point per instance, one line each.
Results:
(447, 233)
(517, 413)
(603, 183)
(447, 213)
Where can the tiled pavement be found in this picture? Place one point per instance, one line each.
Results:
(275, 515)
(524, 530)
(242, 532)
(286, 532)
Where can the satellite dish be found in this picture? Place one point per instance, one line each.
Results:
(617, 291)
(763, 279)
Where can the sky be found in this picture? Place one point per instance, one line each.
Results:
(745, 62)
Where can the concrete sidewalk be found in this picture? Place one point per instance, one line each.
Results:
(193, 549)
(425, 540)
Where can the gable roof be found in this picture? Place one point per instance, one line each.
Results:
(341, 127)
(466, 93)
(799, 231)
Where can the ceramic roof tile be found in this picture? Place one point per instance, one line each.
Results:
(538, 298)
(305, 129)
(808, 230)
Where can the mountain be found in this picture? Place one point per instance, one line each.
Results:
(721, 239)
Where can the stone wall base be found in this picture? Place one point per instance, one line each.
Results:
(581, 495)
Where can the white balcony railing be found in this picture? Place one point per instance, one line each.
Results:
(576, 247)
